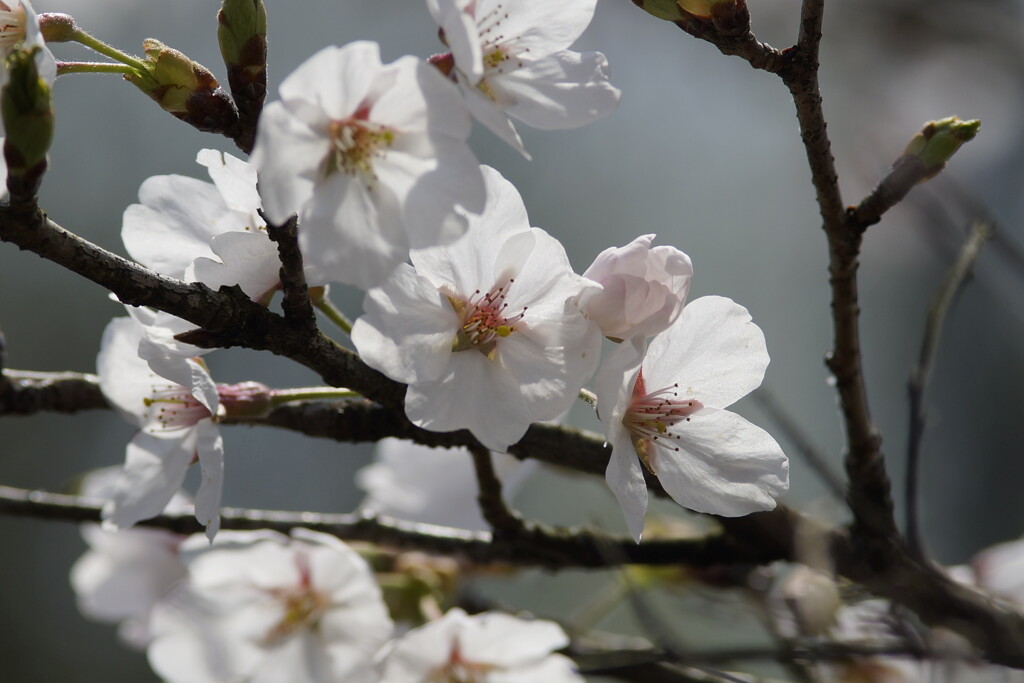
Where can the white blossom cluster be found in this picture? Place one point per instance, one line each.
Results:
(480, 314)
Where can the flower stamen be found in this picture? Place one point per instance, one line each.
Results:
(174, 407)
(355, 144)
(652, 417)
(484, 320)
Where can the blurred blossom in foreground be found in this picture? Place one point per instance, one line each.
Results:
(262, 607)
(432, 485)
(125, 573)
(483, 648)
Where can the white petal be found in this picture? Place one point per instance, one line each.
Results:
(714, 351)
(724, 465)
(335, 80)
(493, 116)
(174, 223)
(235, 179)
(460, 33)
(539, 26)
(565, 90)
(154, 469)
(247, 259)
(287, 155)
(210, 449)
(125, 378)
(408, 328)
(506, 641)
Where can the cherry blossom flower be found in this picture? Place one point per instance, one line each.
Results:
(483, 648)
(1000, 570)
(176, 426)
(372, 157)
(644, 289)
(19, 26)
(665, 410)
(125, 574)
(484, 331)
(195, 231)
(511, 59)
(262, 607)
(432, 485)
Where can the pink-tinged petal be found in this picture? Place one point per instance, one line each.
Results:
(408, 328)
(154, 469)
(551, 669)
(425, 649)
(247, 259)
(166, 233)
(714, 351)
(625, 478)
(350, 71)
(476, 394)
(235, 179)
(455, 17)
(488, 112)
(210, 449)
(564, 90)
(287, 156)
(539, 26)
(353, 234)
(724, 466)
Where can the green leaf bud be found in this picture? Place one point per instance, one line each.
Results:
(27, 109)
(939, 140)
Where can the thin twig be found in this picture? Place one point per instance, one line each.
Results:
(25, 393)
(297, 307)
(905, 173)
(796, 435)
(560, 549)
(503, 521)
(953, 283)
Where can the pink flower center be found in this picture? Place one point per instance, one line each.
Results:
(652, 417)
(301, 605)
(174, 407)
(12, 25)
(484, 320)
(460, 670)
(355, 143)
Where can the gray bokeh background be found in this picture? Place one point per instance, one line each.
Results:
(703, 151)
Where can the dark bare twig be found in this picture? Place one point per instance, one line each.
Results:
(503, 521)
(25, 393)
(796, 435)
(557, 549)
(953, 283)
(905, 173)
(298, 309)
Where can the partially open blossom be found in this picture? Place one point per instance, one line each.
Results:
(372, 157)
(664, 411)
(432, 485)
(176, 428)
(484, 648)
(262, 607)
(511, 59)
(124, 574)
(483, 331)
(643, 288)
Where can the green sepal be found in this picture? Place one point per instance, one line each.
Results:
(26, 105)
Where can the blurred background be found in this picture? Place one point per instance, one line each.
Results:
(703, 150)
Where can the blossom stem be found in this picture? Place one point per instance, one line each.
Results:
(80, 36)
(333, 313)
(92, 68)
(280, 396)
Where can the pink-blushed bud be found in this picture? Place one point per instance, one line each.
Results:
(644, 289)
(57, 27)
(246, 399)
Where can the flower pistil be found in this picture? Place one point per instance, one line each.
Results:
(652, 415)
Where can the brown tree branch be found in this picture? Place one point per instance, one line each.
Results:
(557, 549)
(297, 307)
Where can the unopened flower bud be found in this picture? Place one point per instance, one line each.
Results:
(184, 88)
(246, 399)
(644, 289)
(663, 9)
(27, 108)
(57, 27)
(939, 140)
(242, 33)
